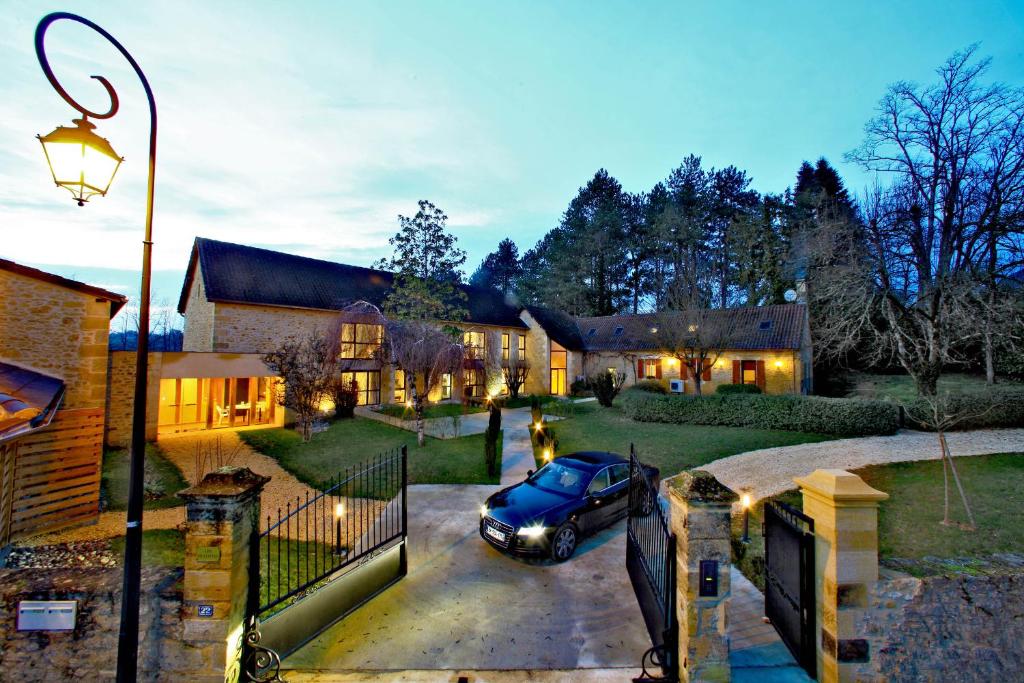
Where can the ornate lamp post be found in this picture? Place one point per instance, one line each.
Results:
(85, 164)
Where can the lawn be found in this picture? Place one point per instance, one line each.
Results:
(437, 410)
(160, 547)
(901, 388)
(672, 448)
(350, 442)
(162, 480)
(910, 536)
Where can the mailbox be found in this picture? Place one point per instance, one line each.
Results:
(708, 579)
(47, 615)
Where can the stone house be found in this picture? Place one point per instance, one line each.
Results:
(53, 384)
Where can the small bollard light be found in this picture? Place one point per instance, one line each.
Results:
(745, 501)
(537, 426)
(547, 455)
(339, 512)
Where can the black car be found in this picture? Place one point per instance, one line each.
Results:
(574, 495)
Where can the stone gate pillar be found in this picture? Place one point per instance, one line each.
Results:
(845, 513)
(222, 511)
(701, 521)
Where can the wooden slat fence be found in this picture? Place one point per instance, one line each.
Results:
(56, 475)
(8, 453)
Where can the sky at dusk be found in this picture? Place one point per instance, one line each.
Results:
(307, 127)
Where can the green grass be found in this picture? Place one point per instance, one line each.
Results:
(162, 481)
(347, 443)
(160, 547)
(437, 410)
(901, 388)
(909, 522)
(672, 448)
(524, 400)
(910, 536)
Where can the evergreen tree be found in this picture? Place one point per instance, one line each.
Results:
(500, 269)
(427, 266)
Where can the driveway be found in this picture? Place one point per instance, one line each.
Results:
(466, 606)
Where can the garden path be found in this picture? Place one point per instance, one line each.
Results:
(282, 488)
(770, 471)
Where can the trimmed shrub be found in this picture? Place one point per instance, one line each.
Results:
(606, 386)
(814, 414)
(651, 386)
(982, 410)
(579, 388)
(738, 389)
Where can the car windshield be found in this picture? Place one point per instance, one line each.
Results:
(560, 479)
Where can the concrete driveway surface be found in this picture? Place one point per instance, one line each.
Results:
(464, 605)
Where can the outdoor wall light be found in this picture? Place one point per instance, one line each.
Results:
(537, 426)
(778, 363)
(80, 160)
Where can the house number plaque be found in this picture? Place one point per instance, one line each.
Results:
(207, 553)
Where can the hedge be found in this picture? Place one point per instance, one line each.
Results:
(651, 386)
(738, 389)
(996, 408)
(814, 414)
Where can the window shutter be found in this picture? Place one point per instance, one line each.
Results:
(759, 374)
(639, 369)
(737, 372)
(657, 368)
(705, 376)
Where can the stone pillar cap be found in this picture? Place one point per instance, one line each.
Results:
(839, 485)
(700, 486)
(226, 482)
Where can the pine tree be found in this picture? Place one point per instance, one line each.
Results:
(500, 269)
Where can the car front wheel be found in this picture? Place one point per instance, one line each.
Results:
(563, 544)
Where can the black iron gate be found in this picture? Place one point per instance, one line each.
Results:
(320, 558)
(651, 563)
(789, 580)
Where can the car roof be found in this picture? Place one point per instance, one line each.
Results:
(594, 460)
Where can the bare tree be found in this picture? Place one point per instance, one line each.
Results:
(307, 367)
(696, 336)
(913, 292)
(425, 353)
(515, 372)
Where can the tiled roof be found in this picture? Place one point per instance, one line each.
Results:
(249, 275)
(116, 300)
(764, 327)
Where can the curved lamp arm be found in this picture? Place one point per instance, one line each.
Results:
(128, 642)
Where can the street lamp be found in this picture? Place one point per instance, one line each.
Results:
(84, 163)
(745, 501)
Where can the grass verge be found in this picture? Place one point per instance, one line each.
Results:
(162, 480)
(399, 410)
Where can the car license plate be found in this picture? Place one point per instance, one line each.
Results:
(494, 533)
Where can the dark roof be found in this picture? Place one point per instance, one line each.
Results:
(28, 400)
(558, 325)
(116, 300)
(780, 326)
(249, 275)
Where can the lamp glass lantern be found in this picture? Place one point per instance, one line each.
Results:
(80, 160)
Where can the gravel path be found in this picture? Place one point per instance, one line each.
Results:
(770, 471)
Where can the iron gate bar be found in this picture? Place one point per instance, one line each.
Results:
(789, 580)
(383, 478)
(651, 564)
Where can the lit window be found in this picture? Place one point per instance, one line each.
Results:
(475, 344)
(522, 347)
(399, 386)
(749, 372)
(360, 340)
(505, 346)
(367, 386)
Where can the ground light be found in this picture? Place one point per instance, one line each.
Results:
(339, 512)
(745, 501)
(84, 163)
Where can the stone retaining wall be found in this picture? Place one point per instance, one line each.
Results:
(89, 652)
(945, 628)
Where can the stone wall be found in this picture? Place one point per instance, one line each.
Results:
(945, 628)
(89, 652)
(199, 315)
(121, 393)
(244, 328)
(537, 349)
(782, 369)
(56, 331)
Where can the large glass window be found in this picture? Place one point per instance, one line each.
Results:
(446, 386)
(473, 382)
(506, 346)
(559, 363)
(360, 340)
(400, 396)
(475, 343)
(367, 386)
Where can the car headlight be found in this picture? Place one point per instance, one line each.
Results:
(535, 531)
(483, 510)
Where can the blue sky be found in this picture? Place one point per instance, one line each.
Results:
(307, 127)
